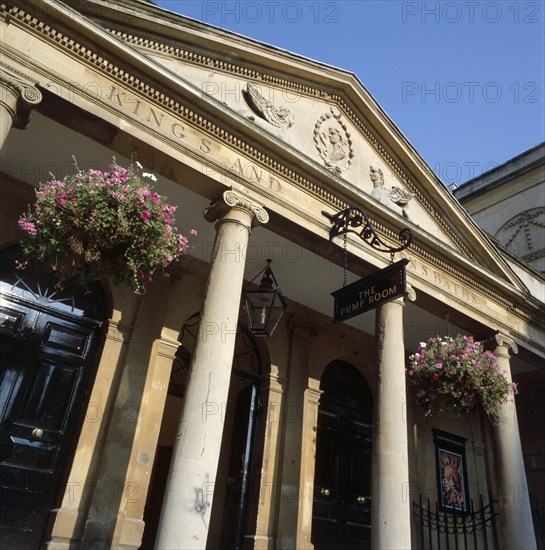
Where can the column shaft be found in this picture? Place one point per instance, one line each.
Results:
(185, 516)
(390, 518)
(516, 525)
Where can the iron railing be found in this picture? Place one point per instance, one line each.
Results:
(475, 530)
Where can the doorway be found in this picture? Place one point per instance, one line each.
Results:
(341, 512)
(49, 340)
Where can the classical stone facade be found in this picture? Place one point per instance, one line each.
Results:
(508, 202)
(175, 428)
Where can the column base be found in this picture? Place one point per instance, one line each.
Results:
(260, 542)
(66, 530)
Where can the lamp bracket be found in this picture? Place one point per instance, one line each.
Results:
(266, 271)
(353, 220)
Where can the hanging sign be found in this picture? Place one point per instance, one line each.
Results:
(371, 291)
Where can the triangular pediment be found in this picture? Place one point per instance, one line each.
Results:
(320, 117)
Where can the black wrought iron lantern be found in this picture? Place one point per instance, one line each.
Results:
(264, 305)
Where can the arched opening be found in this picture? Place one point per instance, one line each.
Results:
(235, 487)
(49, 341)
(341, 512)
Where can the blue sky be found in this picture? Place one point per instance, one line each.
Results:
(463, 80)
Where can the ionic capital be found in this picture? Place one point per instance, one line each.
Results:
(411, 293)
(18, 95)
(236, 200)
(506, 341)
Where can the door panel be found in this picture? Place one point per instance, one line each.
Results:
(341, 514)
(45, 363)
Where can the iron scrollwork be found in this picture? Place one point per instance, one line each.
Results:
(353, 220)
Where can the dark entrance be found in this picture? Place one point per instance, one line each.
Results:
(48, 341)
(341, 513)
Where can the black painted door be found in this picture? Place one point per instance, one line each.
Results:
(341, 514)
(342, 485)
(45, 363)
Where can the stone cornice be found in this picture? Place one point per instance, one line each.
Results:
(220, 64)
(195, 118)
(160, 97)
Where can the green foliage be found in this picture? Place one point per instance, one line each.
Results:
(455, 374)
(96, 224)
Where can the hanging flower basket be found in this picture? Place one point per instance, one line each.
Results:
(457, 375)
(95, 224)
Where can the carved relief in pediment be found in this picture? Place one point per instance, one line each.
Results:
(333, 142)
(394, 195)
(523, 234)
(280, 117)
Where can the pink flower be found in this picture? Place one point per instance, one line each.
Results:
(27, 226)
(182, 243)
(145, 215)
(193, 232)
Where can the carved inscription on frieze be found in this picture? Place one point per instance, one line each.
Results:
(222, 161)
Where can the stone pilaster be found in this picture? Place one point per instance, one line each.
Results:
(273, 395)
(18, 96)
(390, 517)
(297, 478)
(308, 464)
(185, 516)
(69, 519)
(135, 401)
(516, 526)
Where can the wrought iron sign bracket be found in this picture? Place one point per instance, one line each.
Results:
(353, 220)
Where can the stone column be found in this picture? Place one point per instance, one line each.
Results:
(516, 525)
(18, 96)
(390, 509)
(185, 516)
